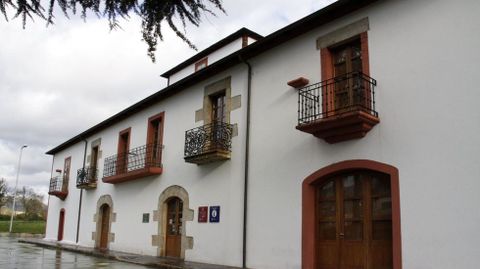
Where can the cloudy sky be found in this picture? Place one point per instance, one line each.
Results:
(58, 81)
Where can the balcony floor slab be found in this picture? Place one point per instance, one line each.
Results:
(208, 157)
(132, 175)
(341, 127)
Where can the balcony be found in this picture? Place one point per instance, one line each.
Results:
(338, 109)
(208, 143)
(137, 163)
(87, 178)
(58, 187)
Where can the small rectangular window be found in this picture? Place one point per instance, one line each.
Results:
(123, 148)
(145, 218)
(155, 140)
(94, 158)
(201, 64)
(66, 174)
(218, 107)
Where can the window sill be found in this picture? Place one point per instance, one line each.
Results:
(298, 83)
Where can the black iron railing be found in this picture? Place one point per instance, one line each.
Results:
(58, 184)
(87, 175)
(138, 158)
(335, 96)
(208, 138)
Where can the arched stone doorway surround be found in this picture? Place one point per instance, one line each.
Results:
(308, 206)
(98, 217)
(160, 215)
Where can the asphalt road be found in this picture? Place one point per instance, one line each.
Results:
(14, 255)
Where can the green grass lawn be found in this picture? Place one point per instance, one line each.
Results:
(32, 227)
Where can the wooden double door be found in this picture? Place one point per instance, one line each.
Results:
(350, 89)
(354, 222)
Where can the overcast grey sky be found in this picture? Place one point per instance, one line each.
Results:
(58, 81)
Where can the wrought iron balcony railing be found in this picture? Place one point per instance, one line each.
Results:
(209, 138)
(58, 187)
(57, 184)
(87, 177)
(336, 96)
(338, 109)
(140, 158)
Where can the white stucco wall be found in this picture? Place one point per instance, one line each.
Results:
(70, 205)
(219, 183)
(212, 57)
(429, 129)
(251, 40)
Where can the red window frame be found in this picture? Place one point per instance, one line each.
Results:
(201, 64)
(328, 72)
(122, 149)
(152, 154)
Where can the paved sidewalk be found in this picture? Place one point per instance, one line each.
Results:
(22, 235)
(157, 262)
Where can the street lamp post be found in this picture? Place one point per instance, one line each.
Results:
(16, 185)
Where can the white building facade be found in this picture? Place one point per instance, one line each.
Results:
(347, 139)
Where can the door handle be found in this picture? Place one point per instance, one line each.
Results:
(341, 235)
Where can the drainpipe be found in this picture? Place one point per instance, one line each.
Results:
(81, 193)
(247, 153)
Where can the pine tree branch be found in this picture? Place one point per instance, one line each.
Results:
(151, 12)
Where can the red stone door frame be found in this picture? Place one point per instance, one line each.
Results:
(308, 206)
(61, 223)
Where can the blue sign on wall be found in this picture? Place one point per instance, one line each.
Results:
(215, 213)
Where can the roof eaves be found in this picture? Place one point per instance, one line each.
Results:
(323, 16)
(164, 93)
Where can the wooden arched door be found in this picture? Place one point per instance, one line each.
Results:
(61, 223)
(354, 221)
(104, 226)
(174, 227)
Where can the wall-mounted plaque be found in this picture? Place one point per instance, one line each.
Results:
(203, 214)
(215, 214)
